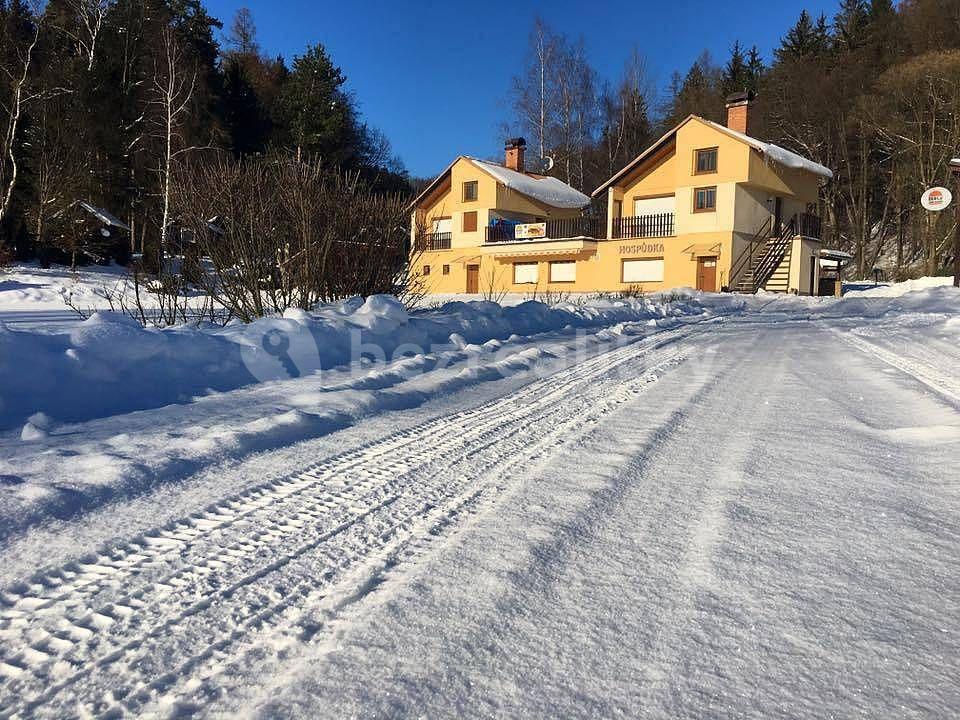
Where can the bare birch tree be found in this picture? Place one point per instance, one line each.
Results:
(173, 88)
(16, 67)
(90, 16)
(535, 92)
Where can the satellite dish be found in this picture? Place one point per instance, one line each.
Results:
(546, 165)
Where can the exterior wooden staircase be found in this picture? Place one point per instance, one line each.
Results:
(765, 262)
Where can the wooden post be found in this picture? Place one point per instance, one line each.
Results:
(955, 169)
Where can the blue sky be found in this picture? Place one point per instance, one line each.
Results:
(434, 76)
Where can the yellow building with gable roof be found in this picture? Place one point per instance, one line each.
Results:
(705, 206)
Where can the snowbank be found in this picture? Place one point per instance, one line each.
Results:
(109, 364)
(892, 290)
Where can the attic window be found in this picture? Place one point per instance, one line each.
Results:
(470, 191)
(705, 161)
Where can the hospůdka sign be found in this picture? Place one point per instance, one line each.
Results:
(642, 248)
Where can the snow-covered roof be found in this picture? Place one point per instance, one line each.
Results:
(548, 190)
(835, 255)
(103, 216)
(776, 153)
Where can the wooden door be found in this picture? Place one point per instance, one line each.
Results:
(707, 274)
(778, 216)
(473, 279)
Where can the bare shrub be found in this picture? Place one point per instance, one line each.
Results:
(156, 301)
(492, 289)
(282, 234)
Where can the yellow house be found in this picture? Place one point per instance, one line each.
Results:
(464, 224)
(705, 206)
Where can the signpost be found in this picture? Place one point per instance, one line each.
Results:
(936, 199)
(939, 198)
(955, 169)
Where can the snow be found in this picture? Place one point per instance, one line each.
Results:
(31, 288)
(104, 216)
(548, 190)
(681, 506)
(778, 154)
(109, 364)
(896, 290)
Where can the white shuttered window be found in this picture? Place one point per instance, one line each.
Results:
(524, 273)
(639, 271)
(563, 272)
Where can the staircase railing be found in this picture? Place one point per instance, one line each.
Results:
(773, 257)
(747, 258)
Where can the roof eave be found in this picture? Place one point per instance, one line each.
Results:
(630, 166)
(432, 186)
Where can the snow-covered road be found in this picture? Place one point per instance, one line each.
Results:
(747, 516)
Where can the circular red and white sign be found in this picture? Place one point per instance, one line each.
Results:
(936, 199)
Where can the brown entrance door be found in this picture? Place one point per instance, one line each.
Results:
(707, 274)
(473, 279)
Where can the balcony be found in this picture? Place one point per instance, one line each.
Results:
(559, 229)
(808, 226)
(434, 241)
(643, 226)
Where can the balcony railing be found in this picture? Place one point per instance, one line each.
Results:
(501, 233)
(808, 225)
(434, 241)
(643, 226)
(559, 229)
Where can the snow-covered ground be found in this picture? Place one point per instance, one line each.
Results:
(696, 506)
(870, 289)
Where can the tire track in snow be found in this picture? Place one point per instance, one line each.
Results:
(919, 371)
(56, 636)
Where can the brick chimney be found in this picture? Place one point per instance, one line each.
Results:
(738, 111)
(514, 151)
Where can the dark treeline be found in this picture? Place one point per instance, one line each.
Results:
(872, 93)
(105, 101)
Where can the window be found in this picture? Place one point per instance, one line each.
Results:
(426, 269)
(563, 272)
(470, 191)
(446, 269)
(470, 221)
(705, 161)
(705, 199)
(640, 271)
(525, 273)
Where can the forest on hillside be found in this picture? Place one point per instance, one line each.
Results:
(160, 120)
(155, 119)
(872, 93)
